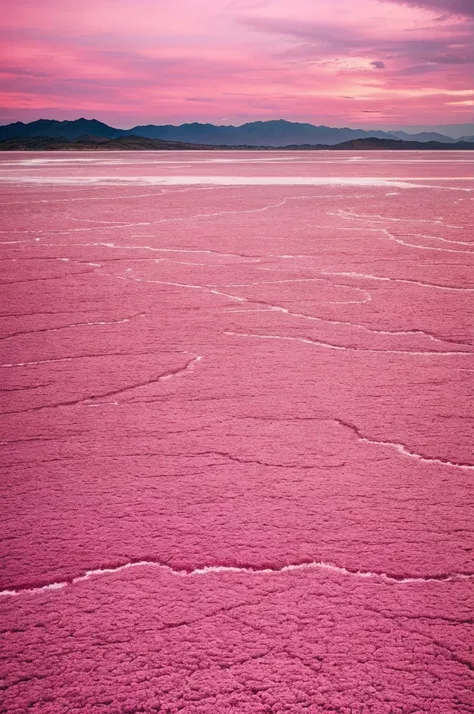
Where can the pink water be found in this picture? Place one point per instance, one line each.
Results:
(237, 432)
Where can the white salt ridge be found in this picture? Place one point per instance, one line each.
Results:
(100, 323)
(404, 450)
(51, 361)
(344, 323)
(330, 346)
(366, 276)
(398, 240)
(377, 218)
(223, 569)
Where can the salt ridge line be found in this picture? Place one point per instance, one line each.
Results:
(286, 311)
(403, 449)
(365, 276)
(109, 225)
(162, 192)
(443, 240)
(356, 218)
(218, 569)
(93, 220)
(91, 399)
(385, 231)
(329, 345)
(78, 230)
(237, 298)
(258, 258)
(398, 240)
(367, 297)
(101, 244)
(226, 213)
(101, 323)
(377, 217)
(112, 198)
(69, 359)
(276, 308)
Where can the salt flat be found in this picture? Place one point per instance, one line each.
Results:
(237, 432)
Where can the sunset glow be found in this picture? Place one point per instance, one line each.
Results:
(373, 63)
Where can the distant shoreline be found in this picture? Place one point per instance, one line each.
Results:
(139, 143)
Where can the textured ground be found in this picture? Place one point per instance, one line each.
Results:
(237, 433)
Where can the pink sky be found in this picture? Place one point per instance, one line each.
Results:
(339, 62)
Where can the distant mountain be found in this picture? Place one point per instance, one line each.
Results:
(258, 133)
(59, 129)
(423, 136)
(467, 138)
(455, 131)
(141, 143)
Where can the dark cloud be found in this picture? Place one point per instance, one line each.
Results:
(378, 64)
(448, 7)
(416, 70)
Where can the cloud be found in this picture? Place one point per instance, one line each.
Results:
(463, 8)
(451, 44)
(246, 4)
(199, 99)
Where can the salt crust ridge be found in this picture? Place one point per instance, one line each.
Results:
(220, 569)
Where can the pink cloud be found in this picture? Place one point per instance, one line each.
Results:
(370, 63)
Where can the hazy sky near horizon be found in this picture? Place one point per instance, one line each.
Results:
(344, 62)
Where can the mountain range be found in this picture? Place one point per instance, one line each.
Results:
(455, 131)
(274, 133)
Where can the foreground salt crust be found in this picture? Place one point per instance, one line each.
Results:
(275, 505)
